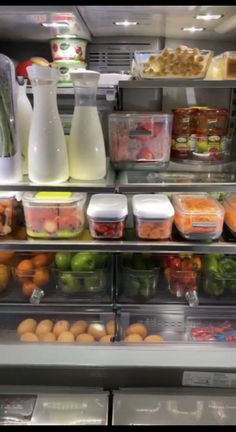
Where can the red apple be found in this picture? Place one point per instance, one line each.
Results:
(21, 67)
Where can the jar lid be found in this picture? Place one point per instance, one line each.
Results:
(155, 206)
(53, 197)
(108, 206)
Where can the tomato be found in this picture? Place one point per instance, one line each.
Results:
(175, 263)
(196, 263)
(186, 264)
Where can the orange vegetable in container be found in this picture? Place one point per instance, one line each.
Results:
(153, 216)
(230, 212)
(199, 216)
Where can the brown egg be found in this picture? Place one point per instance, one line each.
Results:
(85, 338)
(27, 326)
(60, 327)
(97, 330)
(29, 337)
(137, 328)
(79, 327)
(48, 337)
(133, 338)
(43, 327)
(154, 339)
(66, 336)
(110, 327)
(105, 339)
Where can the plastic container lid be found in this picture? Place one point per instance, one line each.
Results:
(53, 197)
(201, 203)
(158, 116)
(152, 206)
(108, 206)
(5, 195)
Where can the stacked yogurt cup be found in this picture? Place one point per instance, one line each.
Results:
(68, 54)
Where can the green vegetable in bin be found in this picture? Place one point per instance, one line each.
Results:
(138, 262)
(69, 285)
(214, 285)
(83, 261)
(93, 284)
(227, 266)
(231, 285)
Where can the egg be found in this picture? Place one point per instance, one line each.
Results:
(154, 339)
(110, 327)
(105, 339)
(137, 328)
(60, 327)
(79, 327)
(97, 330)
(27, 326)
(66, 336)
(29, 337)
(134, 338)
(43, 327)
(48, 337)
(85, 338)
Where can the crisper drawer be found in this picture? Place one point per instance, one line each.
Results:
(53, 406)
(59, 325)
(174, 407)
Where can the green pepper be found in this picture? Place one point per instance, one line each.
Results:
(138, 262)
(227, 265)
(214, 285)
(92, 284)
(211, 262)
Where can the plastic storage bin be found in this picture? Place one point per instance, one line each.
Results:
(54, 214)
(223, 67)
(140, 141)
(198, 216)
(219, 276)
(153, 216)
(7, 200)
(216, 330)
(230, 212)
(137, 277)
(107, 214)
(181, 62)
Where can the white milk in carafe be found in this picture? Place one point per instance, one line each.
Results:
(24, 112)
(86, 145)
(47, 153)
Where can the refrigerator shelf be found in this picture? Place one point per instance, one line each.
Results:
(180, 83)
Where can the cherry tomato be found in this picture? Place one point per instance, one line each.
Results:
(186, 264)
(175, 263)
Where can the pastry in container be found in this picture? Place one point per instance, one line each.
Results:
(230, 212)
(198, 216)
(54, 214)
(140, 141)
(107, 215)
(181, 62)
(223, 67)
(153, 216)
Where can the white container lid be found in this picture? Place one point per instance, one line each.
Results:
(49, 198)
(6, 195)
(155, 206)
(108, 206)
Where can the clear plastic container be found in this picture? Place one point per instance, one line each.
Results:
(223, 67)
(107, 215)
(6, 212)
(54, 214)
(153, 216)
(230, 212)
(198, 216)
(137, 277)
(140, 141)
(181, 62)
(215, 330)
(219, 276)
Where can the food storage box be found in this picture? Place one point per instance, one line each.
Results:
(68, 48)
(7, 200)
(65, 67)
(33, 273)
(219, 275)
(140, 141)
(206, 330)
(107, 215)
(137, 277)
(54, 214)
(150, 327)
(86, 276)
(198, 216)
(223, 67)
(45, 326)
(181, 62)
(153, 216)
(230, 212)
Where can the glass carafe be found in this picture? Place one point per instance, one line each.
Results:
(47, 152)
(87, 157)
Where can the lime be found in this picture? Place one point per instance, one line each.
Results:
(63, 260)
(68, 283)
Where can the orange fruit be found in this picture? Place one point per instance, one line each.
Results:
(6, 257)
(28, 288)
(25, 268)
(40, 260)
(41, 277)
